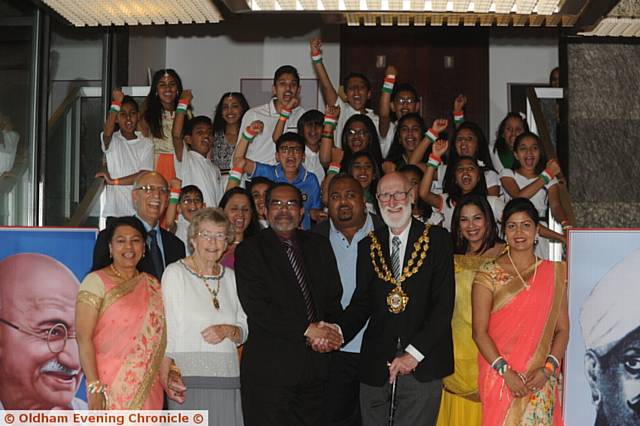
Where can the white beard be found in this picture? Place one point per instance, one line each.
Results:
(399, 220)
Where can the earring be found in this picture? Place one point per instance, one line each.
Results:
(110, 255)
(536, 241)
(596, 397)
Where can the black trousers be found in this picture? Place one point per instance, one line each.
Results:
(301, 404)
(343, 390)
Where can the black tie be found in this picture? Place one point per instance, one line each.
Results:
(298, 269)
(156, 256)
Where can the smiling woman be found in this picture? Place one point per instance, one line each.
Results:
(121, 331)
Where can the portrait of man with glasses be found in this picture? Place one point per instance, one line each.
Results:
(39, 359)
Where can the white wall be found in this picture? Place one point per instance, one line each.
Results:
(212, 59)
(516, 60)
(147, 49)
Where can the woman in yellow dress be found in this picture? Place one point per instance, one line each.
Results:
(475, 241)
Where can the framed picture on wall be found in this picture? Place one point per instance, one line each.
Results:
(258, 91)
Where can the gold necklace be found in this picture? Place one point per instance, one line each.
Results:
(214, 293)
(119, 274)
(397, 299)
(535, 271)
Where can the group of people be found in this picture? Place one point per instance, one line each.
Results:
(343, 267)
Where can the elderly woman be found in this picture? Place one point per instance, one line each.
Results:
(121, 326)
(521, 326)
(205, 322)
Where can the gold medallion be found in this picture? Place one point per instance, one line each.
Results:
(397, 300)
(216, 303)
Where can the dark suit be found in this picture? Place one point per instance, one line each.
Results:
(172, 245)
(425, 323)
(281, 376)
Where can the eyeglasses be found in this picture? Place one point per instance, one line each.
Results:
(192, 201)
(56, 336)
(407, 101)
(361, 132)
(285, 149)
(218, 236)
(149, 189)
(386, 196)
(280, 204)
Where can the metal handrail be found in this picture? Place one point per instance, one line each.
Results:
(87, 204)
(543, 133)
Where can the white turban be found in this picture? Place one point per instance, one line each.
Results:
(612, 311)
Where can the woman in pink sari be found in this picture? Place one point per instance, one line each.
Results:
(121, 330)
(521, 327)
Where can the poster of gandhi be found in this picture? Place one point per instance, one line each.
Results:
(603, 357)
(40, 272)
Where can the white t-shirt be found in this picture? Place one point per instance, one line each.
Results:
(194, 169)
(495, 158)
(496, 203)
(541, 198)
(8, 150)
(347, 111)
(124, 158)
(263, 147)
(312, 163)
(182, 228)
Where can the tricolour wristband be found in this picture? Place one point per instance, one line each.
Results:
(316, 57)
(432, 135)
(334, 168)
(236, 174)
(434, 161)
(546, 176)
(174, 197)
(330, 120)
(285, 114)
(249, 134)
(115, 106)
(458, 117)
(389, 82)
(183, 104)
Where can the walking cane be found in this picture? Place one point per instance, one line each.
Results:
(392, 403)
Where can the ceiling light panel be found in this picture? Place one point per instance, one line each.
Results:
(138, 12)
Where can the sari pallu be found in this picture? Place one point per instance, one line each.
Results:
(130, 340)
(522, 325)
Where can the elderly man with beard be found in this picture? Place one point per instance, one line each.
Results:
(39, 361)
(405, 288)
(611, 329)
(349, 222)
(288, 282)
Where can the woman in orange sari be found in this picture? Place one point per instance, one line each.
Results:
(521, 327)
(121, 330)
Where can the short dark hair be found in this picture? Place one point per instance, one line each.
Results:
(344, 176)
(542, 162)
(190, 189)
(491, 238)
(267, 197)
(286, 69)
(258, 180)
(519, 205)
(356, 75)
(200, 119)
(290, 137)
(312, 116)
(129, 100)
(404, 87)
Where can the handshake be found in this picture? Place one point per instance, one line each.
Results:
(324, 337)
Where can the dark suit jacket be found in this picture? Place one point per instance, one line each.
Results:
(425, 323)
(276, 352)
(173, 251)
(323, 227)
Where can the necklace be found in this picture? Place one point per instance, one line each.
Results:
(214, 293)
(119, 274)
(535, 271)
(397, 299)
